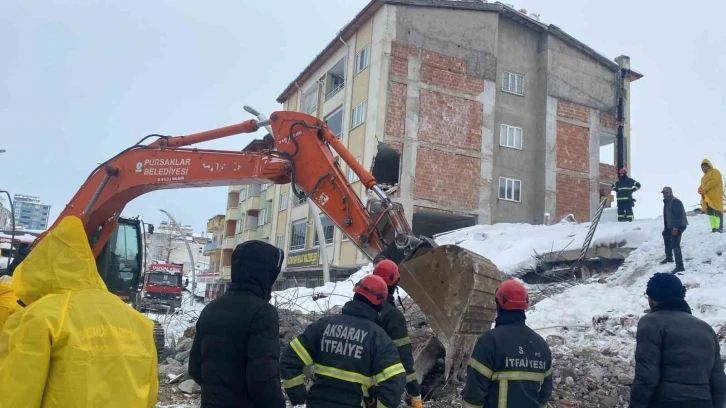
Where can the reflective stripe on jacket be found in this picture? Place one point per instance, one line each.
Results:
(394, 323)
(352, 359)
(625, 187)
(511, 366)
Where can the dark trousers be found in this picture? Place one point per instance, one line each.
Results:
(673, 245)
(625, 210)
(683, 404)
(716, 219)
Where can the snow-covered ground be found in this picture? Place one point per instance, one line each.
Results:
(622, 294)
(184, 317)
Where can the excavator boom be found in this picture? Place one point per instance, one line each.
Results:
(452, 287)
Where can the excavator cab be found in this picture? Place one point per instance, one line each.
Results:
(120, 263)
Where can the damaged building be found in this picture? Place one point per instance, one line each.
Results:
(467, 112)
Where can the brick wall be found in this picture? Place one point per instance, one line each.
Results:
(396, 110)
(573, 111)
(399, 58)
(447, 179)
(448, 72)
(450, 121)
(398, 147)
(573, 147)
(608, 172)
(573, 197)
(608, 121)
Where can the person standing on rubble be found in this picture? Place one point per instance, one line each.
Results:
(712, 198)
(235, 353)
(675, 222)
(511, 365)
(677, 356)
(624, 188)
(394, 323)
(355, 362)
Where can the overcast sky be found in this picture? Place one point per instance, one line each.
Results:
(81, 82)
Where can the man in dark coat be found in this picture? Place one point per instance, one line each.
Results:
(677, 356)
(624, 188)
(675, 221)
(511, 365)
(236, 349)
(20, 254)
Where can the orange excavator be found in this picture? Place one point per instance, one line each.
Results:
(453, 287)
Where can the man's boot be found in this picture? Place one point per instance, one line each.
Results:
(679, 268)
(667, 260)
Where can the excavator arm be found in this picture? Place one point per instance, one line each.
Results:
(300, 154)
(453, 287)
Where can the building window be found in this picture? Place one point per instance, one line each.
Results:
(335, 79)
(359, 115)
(283, 201)
(264, 187)
(352, 177)
(510, 189)
(280, 241)
(239, 224)
(334, 121)
(297, 240)
(361, 60)
(510, 136)
(513, 83)
(310, 99)
(243, 194)
(262, 217)
(328, 230)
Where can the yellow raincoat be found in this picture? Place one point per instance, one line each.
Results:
(8, 301)
(75, 344)
(711, 189)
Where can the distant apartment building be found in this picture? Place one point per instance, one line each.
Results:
(30, 212)
(213, 250)
(168, 246)
(469, 112)
(5, 218)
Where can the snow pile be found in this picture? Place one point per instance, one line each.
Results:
(176, 323)
(511, 246)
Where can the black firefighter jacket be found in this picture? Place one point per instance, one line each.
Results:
(394, 323)
(677, 360)
(236, 348)
(511, 367)
(353, 359)
(624, 188)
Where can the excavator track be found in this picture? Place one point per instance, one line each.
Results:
(455, 289)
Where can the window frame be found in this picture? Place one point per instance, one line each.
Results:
(316, 241)
(242, 194)
(504, 134)
(350, 173)
(278, 238)
(366, 52)
(262, 217)
(356, 112)
(310, 92)
(283, 201)
(298, 247)
(342, 116)
(507, 79)
(514, 182)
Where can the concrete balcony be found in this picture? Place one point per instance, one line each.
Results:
(232, 213)
(227, 272)
(235, 189)
(265, 231)
(229, 243)
(211, 247)
(250, 204)
(249, 235)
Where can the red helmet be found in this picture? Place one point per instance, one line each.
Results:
(373, 288)
(622, 171)
(387, 270)
(512, 295)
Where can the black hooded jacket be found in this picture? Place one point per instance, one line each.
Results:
(236, 349)
(677, 360)
(393, 322)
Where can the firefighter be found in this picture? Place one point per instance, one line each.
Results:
(624, 189)
(355, 362)
(511, 365)
(394, 323)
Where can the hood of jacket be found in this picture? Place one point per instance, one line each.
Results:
(61, 262)
(255, 267)
(708, 163)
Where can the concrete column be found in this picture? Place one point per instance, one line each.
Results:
(410, 146)
(594, 161)
(551, 159)
(487, 99)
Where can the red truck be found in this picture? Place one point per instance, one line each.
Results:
(162, 287)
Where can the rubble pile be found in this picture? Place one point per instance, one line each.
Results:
(175, 386)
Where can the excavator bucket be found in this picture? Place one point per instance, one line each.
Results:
(455, 289)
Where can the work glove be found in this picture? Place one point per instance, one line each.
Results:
(416, 402)
(674, 232)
